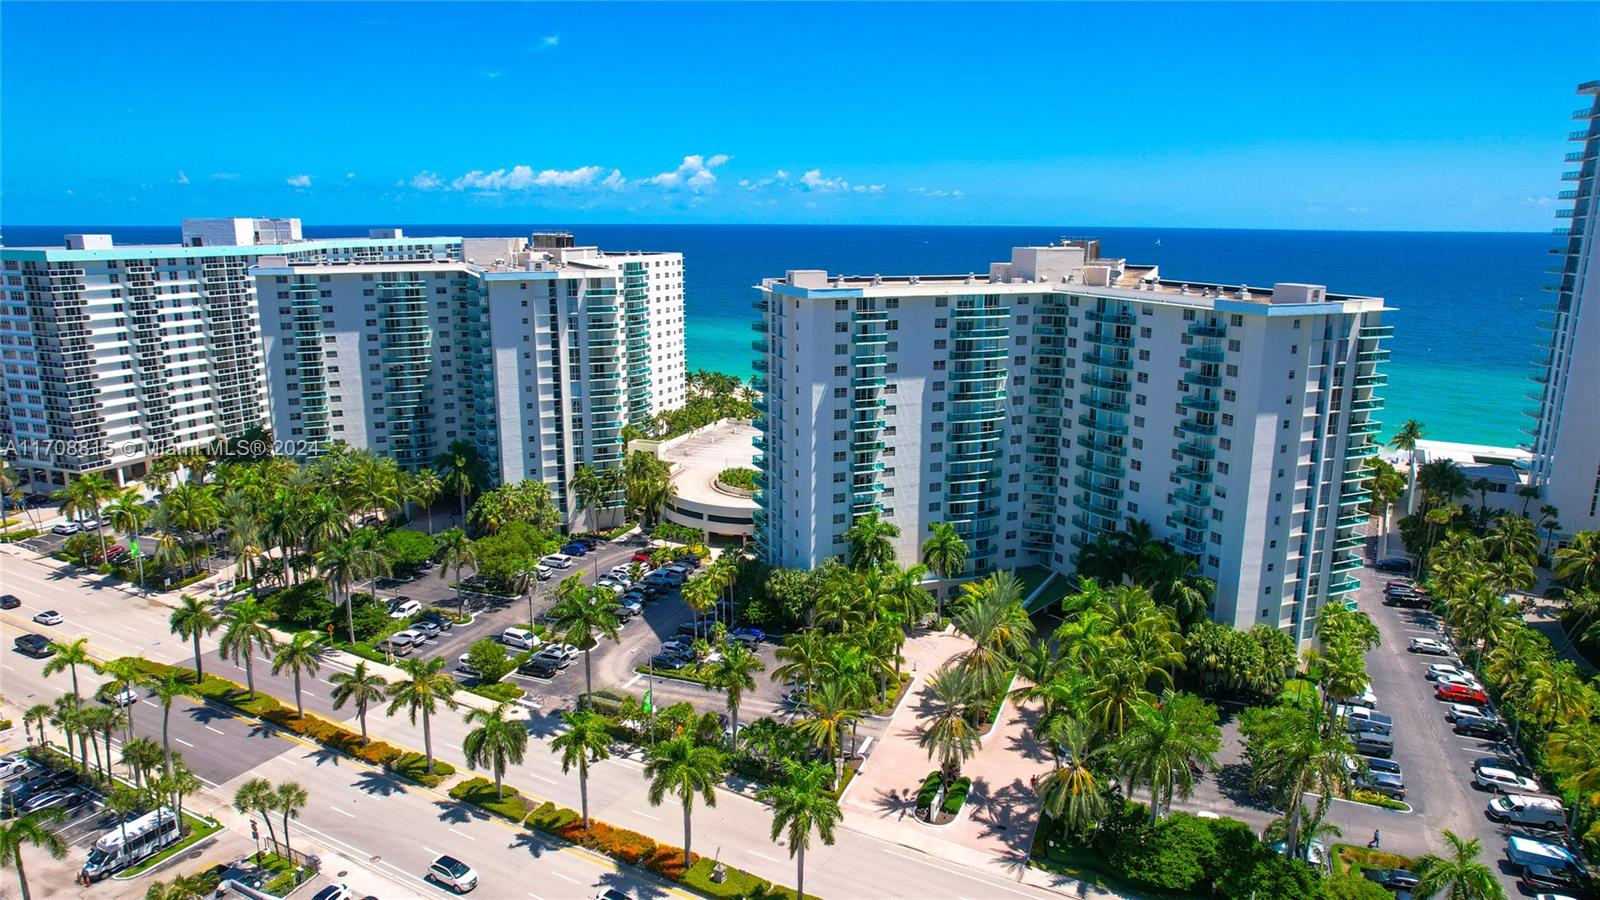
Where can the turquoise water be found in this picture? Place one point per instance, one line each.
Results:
(1465, 304)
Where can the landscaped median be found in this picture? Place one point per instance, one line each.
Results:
(625, 846)
(407, 764)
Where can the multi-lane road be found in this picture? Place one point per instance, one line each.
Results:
(396, 827)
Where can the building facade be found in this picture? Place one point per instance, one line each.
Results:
(538, 353)
(1566, 433)
(1062, 394)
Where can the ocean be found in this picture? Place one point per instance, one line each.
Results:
(1465, 303)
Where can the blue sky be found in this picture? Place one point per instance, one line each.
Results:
(1295, 115)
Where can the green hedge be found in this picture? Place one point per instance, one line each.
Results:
(20, 534)
(736, 884)
(956, 796)
(500, 691)
(480, 792)
(930, 790)
(414, 767)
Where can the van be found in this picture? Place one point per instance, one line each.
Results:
(1369, 744)
(557, 561)
(520, 638)
(401, 643)
(1522, 809)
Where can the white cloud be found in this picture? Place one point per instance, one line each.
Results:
(349, 174)
(954, 195)
(549, 41)
(298, 181)
(614, 181)
(814, 180)
(522, 178)
(424, 181)
(693, 174)
(492, 74)
(181, 179)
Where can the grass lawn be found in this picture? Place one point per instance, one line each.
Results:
(199, 830)
(1349, 857)
(737, 884)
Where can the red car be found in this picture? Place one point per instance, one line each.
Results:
(1456, 693)
(641, 556)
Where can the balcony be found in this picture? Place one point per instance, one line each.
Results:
(1110, 511)
(1365, 428)
(1208, 330)
(1104, 403)
(1372, 356)
(1110, 491)
(1192, 498)
(1184, 520)
(759, 346)
(1197, 450)
(1195, 426)
(1200, 403)
(1109, 317)
(1121, 385)
(1201, 379)
(1109, 468)
(1108, 340)
(1108, 361)
(759, 325)
(1102, 425)
(1376, 332)
(1195, 474)
(1193, 546)
(1211, 353)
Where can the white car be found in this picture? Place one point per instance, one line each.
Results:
(466, 668)
(67, 528)
(13, 765)
(1464, 679)
(1492, 779)
(1439, 670)
(566, 650)
(334, 892)
(543, 572)
(123, 698)
(453, 874)
(403, 608)
(1429, 646)
(49, 617)
(1366, 698)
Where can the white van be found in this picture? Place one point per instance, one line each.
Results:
(1522, 809)
(520, 638)
(557, 561)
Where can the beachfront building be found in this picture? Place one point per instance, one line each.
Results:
(1566, 434)
(536, 351)
(1058, 396)
(115, 354)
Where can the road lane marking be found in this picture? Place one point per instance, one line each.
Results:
(148, 703)
(567, 877)
(632, 681)
(984, 881)
(763, 855)
(215, 731)
(647, 816)
(543, 778)
(183, 742)
(342, 812)
(430, 850)
(464, 834)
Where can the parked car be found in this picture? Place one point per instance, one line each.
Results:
(1429, 646)
(748, 635)
(551, 656)
(1548, 878)
(453, 874)
(1385, 783)
(642, 556)
(1393, 879)
(543, 572)
(403, 607)
(9, 601)
(1481, 728)
(67, 528)
(15, 764)
(1437, 671)
(1505, 761)
(682, 647)
(334, 892)
(428, 628)
(48, 617)
(566, 650)
(635, 595)
(539, 668)
(1455, 712)
(520, 638)
(1393, 564)
(557, 561)
(115, 552)
(1530, 811)
(1364, 719)
(1457, 693)
(575, 550)
(669, 661)
(465, 667)
(36, 645)
(123, 698)
(1373, 745)
(438, 619)
(1489, 778)
(61, 798)
(401, 643)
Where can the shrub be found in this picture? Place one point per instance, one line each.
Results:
(550, 818)
(1352, 886)
(1172, 856)
(20, 534)
(619, 843)
(737, 884)
(304, 607)
(956, 796)
(480, 793)
(930, 789)
(406, 549)
(499, 691)
(678, 534)
(413, 766)
(739, 477)
(1373, 798)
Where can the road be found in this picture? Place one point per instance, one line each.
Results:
(369, 815)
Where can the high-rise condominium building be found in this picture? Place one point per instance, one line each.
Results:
(538, 353)
(1063, 394)
(1566, 438)
(115, 354)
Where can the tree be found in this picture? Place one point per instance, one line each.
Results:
(30, 829)
(585, 740)
(193, 617)
(1578, 563)
(257, 796)
(497, 742)
(1460, 875)
(589, 491)
(1166, 746)
(85, 494)
(126, 673)
(681, 767)
(167, 688)
(287, 800)
(948, 733)
(360, 687)
(1290, 755)
(1072, 793)
(303, 653)
(800, 805)
(426, 686)
(123, 801)
(1406, 439)
(831, 709)
(455, 553)
(425, 488)
(128, 514)
(996, 623)
(36, 716)
(461, 471)
(582, 615)
(946, 554)
(69, 656)
(734, 673)
(244, 632)
(488, 656)
(181, 887)
(871, 541)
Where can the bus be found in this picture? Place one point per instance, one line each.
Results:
(146, 836)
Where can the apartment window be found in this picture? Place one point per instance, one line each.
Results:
(938, 365)
(841, 305)
(841, 327)
(838, 372)
(841, 349)
(1236, 320)
(1232, 371)
(1144, 355)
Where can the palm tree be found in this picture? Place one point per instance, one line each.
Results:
(497, 742)
(1461, 875)
(946, 554)
(734, 673)
(1166, 746)
(461, 471)
(1292, 756)
(802, 658)
(1071, 794)
(36, 716)
(800, 805)
(257, 796)
(1578, 563)
(30, 829)
(181, 887)
(588, 491)
(831, 709)
(85, 494)
(425, 488)
(244, 632)
(949, 733)
(70, 656)
(871, 541)
(193, 618)
(997, 625)
(1175, 582)
(1513, 537)
(1548, 523)
(67, 715)
(681, 767)
(126, 672)
(244, 541)
(287, 800)
(167, 688)
(128, 514)
(586, 740)
(1406, 439)
(426, 686)
(583, 614)
(360, 687)
(344, 564)
(303, 653)
(455, 552)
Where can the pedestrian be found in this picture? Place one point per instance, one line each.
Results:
(1377, 840)
(1033, 782)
